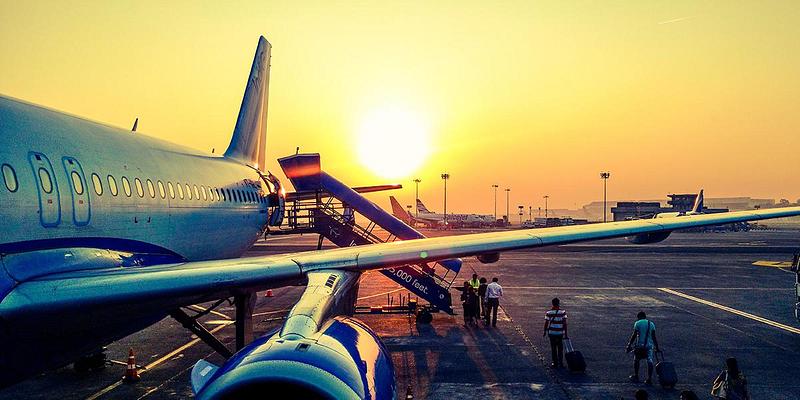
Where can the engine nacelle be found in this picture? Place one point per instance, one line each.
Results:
(345, 360)
(488, 258)
(647, 238)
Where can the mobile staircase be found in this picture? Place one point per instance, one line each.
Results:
(324, 205)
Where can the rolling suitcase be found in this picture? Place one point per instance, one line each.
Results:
(575, 361)
(667, 377)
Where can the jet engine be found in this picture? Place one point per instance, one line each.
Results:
(488, 258)
(647, 238)
(345, 360)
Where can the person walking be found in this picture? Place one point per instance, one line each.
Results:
(644, 333)
(467, 307)
(493, 294)
(730, 384)
(482, 297)
(555, 328)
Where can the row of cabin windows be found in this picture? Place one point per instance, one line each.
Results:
(177, 190)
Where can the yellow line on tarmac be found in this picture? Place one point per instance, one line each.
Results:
(380, 294)
(217, 313)
(733, 311)
(155, 363)
(774, 264)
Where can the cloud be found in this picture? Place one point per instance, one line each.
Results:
(671, 21)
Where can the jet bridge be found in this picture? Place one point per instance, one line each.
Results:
(343, 216)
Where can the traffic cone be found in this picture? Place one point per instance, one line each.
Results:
(269, 293)
(131, 373)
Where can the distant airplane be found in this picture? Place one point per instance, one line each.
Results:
(431, 219)
(106, 233)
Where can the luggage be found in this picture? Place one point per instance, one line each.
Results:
(575, 361)
(667, 377)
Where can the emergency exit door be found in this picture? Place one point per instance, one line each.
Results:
(47, 187)
(81, 211)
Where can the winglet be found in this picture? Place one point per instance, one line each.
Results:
(697, 208)
(248, 144)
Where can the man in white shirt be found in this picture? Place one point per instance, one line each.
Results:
(493, 294)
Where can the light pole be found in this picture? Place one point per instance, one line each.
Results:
(495, 203)
(508, 217)
(416, 197)
(530, 213)
(545, 207)
(445, 177)
(604, 176)
(520, 213)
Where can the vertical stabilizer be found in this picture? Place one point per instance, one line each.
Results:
(421, 207)
(697, 208)
(248, 144)
(400, 212)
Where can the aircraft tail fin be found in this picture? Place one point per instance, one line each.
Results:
(399, 211)
(698, 203)
(421, 207)
(248, 144)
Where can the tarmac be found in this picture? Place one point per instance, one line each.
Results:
(711, 296)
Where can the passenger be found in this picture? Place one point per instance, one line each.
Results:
(482, 296)
(493, 294)
(474, 282)
(641, 394)
(464, 302)
(555, 328)
(473, 302)
(688, 395)
(730, 383)
(644, 333)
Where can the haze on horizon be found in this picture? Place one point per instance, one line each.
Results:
(536, 96)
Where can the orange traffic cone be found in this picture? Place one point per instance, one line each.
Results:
(269, 293)
(131, 373)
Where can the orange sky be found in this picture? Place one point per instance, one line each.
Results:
(536, 96)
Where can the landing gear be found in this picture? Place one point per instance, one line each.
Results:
(91, 362)
(244, 302)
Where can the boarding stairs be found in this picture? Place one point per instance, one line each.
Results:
(338, 213)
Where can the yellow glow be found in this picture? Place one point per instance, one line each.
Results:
(393, 142)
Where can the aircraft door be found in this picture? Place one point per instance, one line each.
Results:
(81, 212)
(47, 188)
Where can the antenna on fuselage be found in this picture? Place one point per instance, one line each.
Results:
(135, 124)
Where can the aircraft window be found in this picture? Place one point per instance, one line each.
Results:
(139, 187)
(98, 185)
(161, 191)
(196, 193)
(112, 185)
(77, 184)
(222, 192)
(151, 189)
(126, 186)
(171, 190)
(216, 191)
(10, 177)
(203, 190)
(189, 191)
(44, 178)
(180, 190)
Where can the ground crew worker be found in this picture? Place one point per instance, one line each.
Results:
(482, 295)
(493, 294)
(644, 333)
(555, 328)
(474, 282)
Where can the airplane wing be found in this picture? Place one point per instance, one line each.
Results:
(192, 282)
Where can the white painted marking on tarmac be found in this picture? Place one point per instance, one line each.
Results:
(754, 317)
(380, 294)
(155, 363)
(217, 313)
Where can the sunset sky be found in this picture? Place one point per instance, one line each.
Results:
(535, 96)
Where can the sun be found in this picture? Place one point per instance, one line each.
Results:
(393, 142)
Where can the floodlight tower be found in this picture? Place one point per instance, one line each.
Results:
(495, 202)
(445, 177)
(604, 176)
(545, 197)
(508, 217)
(416, 197)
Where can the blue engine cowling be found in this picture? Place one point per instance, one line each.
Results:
(345, 360)
(647, 238)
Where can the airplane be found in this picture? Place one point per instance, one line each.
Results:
(107, 231)
(434, 220)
